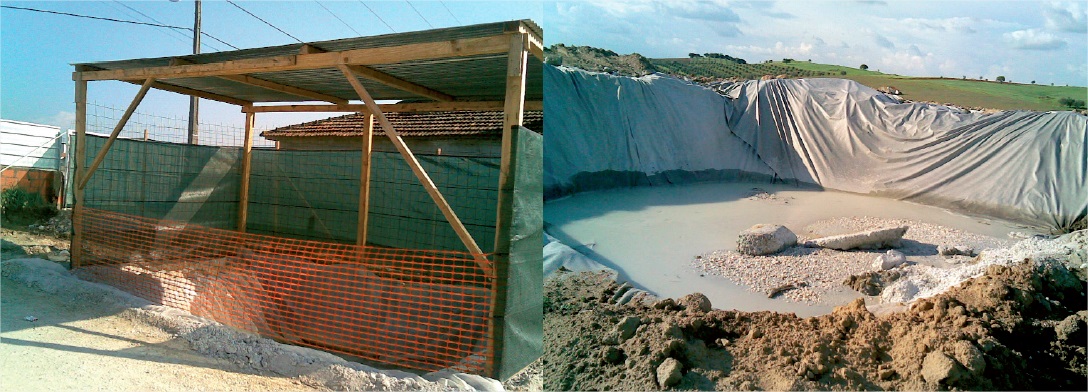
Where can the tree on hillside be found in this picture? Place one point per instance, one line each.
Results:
(864, 67)
(787, 61)
(694, 55)
(1001, 79)
(1032, 82)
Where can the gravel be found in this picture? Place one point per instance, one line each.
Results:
(817, 272)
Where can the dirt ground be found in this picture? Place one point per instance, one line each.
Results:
(76, 345)
(1014, 328)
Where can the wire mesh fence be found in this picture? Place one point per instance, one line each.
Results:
(146, 126)
(419, 309)
(160, 221)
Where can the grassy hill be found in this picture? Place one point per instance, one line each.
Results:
(702, 67)
(971, 93)
(961, 92)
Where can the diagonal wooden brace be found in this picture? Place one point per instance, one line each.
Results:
(424, 179)
(116, 131)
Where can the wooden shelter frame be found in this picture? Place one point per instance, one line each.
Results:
(517, 41)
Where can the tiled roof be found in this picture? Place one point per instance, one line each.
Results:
(411, 124)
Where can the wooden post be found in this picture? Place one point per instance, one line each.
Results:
(364, 180)
(513, 114)
(80, 158)
(421, 174)
(116, 131)
(247, 153)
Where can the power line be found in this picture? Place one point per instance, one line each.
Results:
(417, 13)
(185, 38)
(337, 17)
(114, 20)
(448, 10)
(376, 15)
(265, 21)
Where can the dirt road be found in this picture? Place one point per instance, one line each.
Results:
(90, 347)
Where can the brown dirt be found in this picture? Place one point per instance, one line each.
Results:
(599, 60)
(1012, 328)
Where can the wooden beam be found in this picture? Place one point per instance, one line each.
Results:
(400, 84)
(368, 56)
(310, 49)
(247, 154)
(195, 93)
(364, 181)
(258, 82)
(513, 115)
(116, 131)
(80, 160)
(424, 179)
(395, 107)
(301, 92)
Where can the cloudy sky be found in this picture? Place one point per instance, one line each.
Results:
(1021, 40)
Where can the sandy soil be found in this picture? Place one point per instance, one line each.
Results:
(89, 345)
(1016, 327)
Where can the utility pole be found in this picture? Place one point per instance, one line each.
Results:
(194, 102)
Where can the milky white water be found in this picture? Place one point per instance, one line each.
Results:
(651, 234)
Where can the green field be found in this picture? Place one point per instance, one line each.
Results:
(970, 93)
(962, 92)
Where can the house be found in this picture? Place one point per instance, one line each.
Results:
(460, 133)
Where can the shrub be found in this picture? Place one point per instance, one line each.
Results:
(863, 66)
(21, 206)
(842, 73)
(1000, 78)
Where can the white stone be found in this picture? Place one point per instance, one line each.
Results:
(872, 239)
(887, 261)
(764, 239)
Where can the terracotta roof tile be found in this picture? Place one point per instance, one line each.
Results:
(409, 124)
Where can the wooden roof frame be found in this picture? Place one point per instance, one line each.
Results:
(517, 41)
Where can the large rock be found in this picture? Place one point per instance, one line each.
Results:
(695, 302)
(887, 261)
(627, 327)
(939, 368)
(764, 239)
(668, 373)
(872, 239)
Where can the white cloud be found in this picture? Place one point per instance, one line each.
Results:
(955, 24)
(1033, 39)
(62, 119)
(1068, 17)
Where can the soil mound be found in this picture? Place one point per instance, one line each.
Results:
(1016, 327)
(599, 60)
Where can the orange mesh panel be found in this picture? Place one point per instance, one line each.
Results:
(419, 309)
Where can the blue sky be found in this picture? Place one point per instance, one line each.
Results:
(1021, 40)
(36, 49)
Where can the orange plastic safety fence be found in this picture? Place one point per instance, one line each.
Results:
(419, 309)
